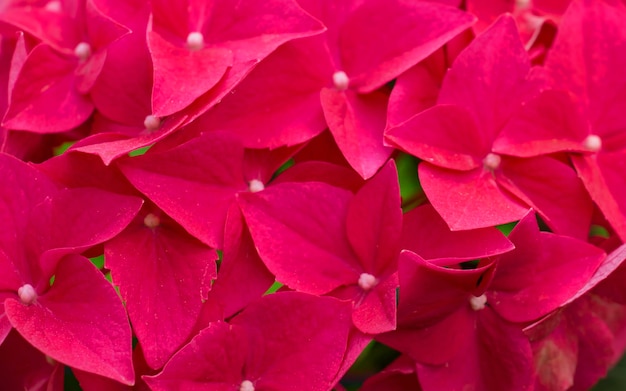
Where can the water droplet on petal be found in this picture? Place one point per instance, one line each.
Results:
(246, 385)
(82, 51)
(593, 143)
(151, 221)
(478, 303)
(492, 161)
(27, 294)
(367, 281)
(195, 41)
(151, 122)
(341, 80)
(255, 186)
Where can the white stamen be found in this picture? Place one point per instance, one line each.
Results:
(82, 51)
(151, 221)
(53, 6)
(195, 41)
(492, 161)
(593, 143)
(478, 303)
(246, 385)
(367, 281)
(151, 122)
(255, 186)
(341, 80)
(27, 294)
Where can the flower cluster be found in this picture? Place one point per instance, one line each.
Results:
(248, 195)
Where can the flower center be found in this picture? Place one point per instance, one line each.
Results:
(492, 161)
(367, 281)
(151, 122)
(151, 221)
(341, 80)
(593, 143)
(478, 303)
(246, 385)
(27, 294)
(195, 41)
(82, 51)
(255, 186)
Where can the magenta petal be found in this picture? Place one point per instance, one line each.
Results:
(425, 233)
(608, 198)
(469, 200)
(181, 75)
(22, 188)
(288, 111)
(243, 277)
(554, 190)
(80, 321)
(253, 29)
(541, 274)
(76, 219)
(22, 366)
(357, 123)
(499, 357)
(308, 336)
(548, 123)
(196, 186)
(376, 313)
(374, 221)
(489, 77)
(175, 275)
(306, 251)
(59, 107)
(419, 29)
(192, 369)
(444, 135)
(398, 376)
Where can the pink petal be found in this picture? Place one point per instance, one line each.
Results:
(288, 111)
(425, 233)
(489, 77)
(357, 123)
(374, 222)
(80, 321)
(554, 190)
(549, 123)
(243, 277)
(197, 185)
(22, 366)
(309, 336)
(191, 369)
(181, 75)
(77, 219)
(444, 135)
(497, 358)
(300, 233)
(469, 200)
(541, 274)
(419, 29)
(591, 170)
(59, 107)
(164, 303)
